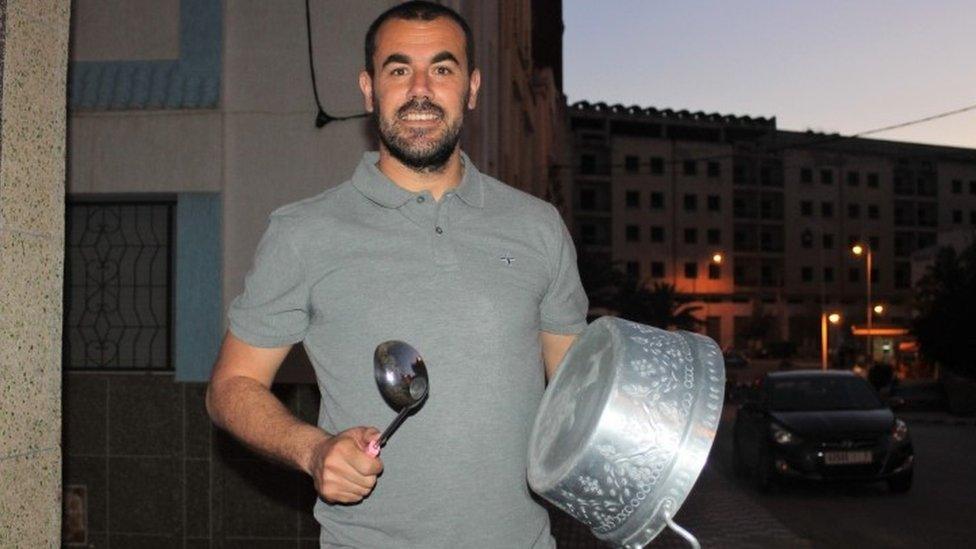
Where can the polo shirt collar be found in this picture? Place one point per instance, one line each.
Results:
(379, 188)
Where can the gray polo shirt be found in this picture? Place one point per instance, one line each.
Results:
(470, 281)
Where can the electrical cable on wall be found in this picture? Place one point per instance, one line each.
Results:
(322, 118)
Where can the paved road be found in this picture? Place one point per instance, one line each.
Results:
(939, 511)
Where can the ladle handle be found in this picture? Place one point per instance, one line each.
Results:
(374, 447)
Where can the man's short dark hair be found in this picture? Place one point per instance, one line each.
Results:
(418, 10)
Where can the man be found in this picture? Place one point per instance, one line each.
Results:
(418, 246)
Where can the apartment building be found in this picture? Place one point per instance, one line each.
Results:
(741, 216)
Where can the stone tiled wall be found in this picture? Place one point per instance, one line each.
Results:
(33, 48)
(158, 474)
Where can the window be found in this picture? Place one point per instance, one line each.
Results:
(714, 236)
(691, 270)
(957, 186)
(875, 243)
(657, 165)
(872, 211)
(587, 199)
(806, 274)
(806, 239)
(957, 216)
(828, 274)
(853, 211)
(657, 234)
(691, 236)
(853, 179)
(632, 199)
(903, 275)
(633, 269)
(118, 306)
(631, 164)
(588, 164)
(972, 187)
(828, 241)
(714, 271)
(691, 202)
(875, 276)
(657, 269)
(657, 201)
(632, 233)
(714, 169)
(873, 180)
(806, 175)
(806, 208)
(689, 167)
(714, 203)
(972, 217)
(588, 233)
(827, 177)
(827, 209)
(854, 274)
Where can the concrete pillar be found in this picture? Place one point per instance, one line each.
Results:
(33, 61)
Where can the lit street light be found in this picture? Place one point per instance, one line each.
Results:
(879, 309)
(833, 318)
(859, 250)
(717, 259)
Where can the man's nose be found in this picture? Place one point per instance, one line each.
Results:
(420, 85)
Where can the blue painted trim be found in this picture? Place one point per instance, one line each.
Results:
(198, 315)
(190, 82)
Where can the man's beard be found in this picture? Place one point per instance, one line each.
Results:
(423, 156)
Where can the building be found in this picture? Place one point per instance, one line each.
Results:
(662, 192)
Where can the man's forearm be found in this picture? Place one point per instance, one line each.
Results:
(249, 411)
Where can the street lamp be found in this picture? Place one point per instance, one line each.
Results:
(717, 258)
(879, 309)
(865, 250)
(833, 318)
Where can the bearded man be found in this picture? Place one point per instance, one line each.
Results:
(417, 246)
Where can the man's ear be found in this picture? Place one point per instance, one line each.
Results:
(473, 86)
(366, 86)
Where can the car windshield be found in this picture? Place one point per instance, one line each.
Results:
(821, 393)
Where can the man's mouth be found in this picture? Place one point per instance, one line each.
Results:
(420, 117)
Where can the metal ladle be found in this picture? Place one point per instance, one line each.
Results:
(401, 376)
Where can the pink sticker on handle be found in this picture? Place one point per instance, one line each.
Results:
(374, 448)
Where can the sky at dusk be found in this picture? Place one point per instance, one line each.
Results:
(826, 65)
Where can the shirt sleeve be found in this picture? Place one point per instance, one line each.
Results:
(564, 305)
(273, 310)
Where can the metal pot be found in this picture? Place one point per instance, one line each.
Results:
(625, 426)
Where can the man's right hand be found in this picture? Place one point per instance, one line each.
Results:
(342, 469)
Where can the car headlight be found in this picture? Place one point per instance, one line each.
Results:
(782, 436)
(899, 431)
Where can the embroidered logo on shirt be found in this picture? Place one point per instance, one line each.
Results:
(508, 259)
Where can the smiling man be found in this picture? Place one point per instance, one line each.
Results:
(417, 246)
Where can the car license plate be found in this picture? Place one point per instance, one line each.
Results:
(846, 458)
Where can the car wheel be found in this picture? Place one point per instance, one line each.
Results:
(739, 468)
(900, 484)
(762, 475)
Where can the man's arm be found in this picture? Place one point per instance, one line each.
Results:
(554, 347)
(239, 400)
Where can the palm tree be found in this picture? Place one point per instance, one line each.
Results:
(628, 297)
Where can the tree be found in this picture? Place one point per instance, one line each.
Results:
(945, 298)
(630, 298)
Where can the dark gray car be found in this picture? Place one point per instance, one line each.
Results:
(820, 425)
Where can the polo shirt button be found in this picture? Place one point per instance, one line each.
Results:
(438, 230)
(420, 199)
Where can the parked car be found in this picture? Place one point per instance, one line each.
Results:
(820, 425)
(735, 360)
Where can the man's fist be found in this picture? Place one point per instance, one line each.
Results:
(342, 469)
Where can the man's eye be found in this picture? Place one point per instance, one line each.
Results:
(443, 70)
(399, 71)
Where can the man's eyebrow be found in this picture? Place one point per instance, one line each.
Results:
(445, 56)
(396, 58)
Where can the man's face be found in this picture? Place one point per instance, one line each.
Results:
(419, 90)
